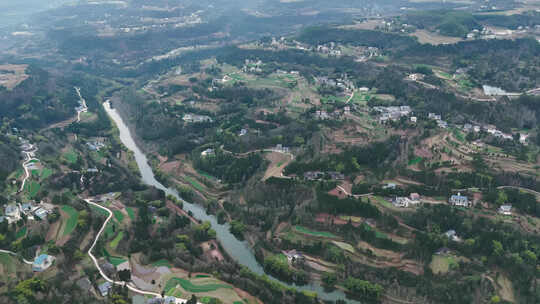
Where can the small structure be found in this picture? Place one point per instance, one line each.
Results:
(401, 202)
(443, 251)
(452, 235)
(293, 256)
(243, 132)
(41, 213)
(415, 197)
(505, 209)
(12, 213)
(460, 200)
(42, 263)
(390, 186)
(414, 119)
(313, 175)
(104, 288)
(208, 152)
(336, 175)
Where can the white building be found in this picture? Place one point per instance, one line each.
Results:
(459, 200)
(505, 209)
(42, 262)
(208, 152)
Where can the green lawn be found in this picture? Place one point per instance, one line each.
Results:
(8, 262)
(459, 135)
(203, 276)
(117, 239)
(71, 156)
(194, 183)
(72, 220)
(415, 160)
(116, 260)
(118, 215)
(131, 213)
(190, 287)
(21, 233)
(32, 188)
(314, 233)
(161, 263)
(46, 173)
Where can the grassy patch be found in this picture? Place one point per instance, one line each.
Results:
(71, 156)
(203, 276)
(72, 220)
(45, 173)
(314, 233)
(190, 287)
(459, 135)
(32, 188)
(118, 215)
(415, 161)
(131, 213)
(7, 261)
(116, 240)
(194, 183)
(344, 246)
(116, 260)
(162, 263)
(442, 264)
(21, 233)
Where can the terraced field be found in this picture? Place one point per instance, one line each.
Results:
(71, 222)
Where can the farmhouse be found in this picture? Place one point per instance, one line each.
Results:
(459, 200)
(452, 235)
(208, 152)
(12, 213)
(505, 209)
(313, 175)
(104, 288)
(293, 256)
(42, 262)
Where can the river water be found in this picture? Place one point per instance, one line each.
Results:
(238, 250)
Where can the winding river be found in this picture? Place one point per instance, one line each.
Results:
(238, 250)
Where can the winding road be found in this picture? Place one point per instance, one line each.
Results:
(84, 106)
(128, 285)
(14, 254)
(29, 156)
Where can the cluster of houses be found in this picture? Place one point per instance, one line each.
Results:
(282, 149)
(342, 82)
(441, 123)
(329, 49)
(195, 118)
(252, 66)
(405, 202)
(318, 175)
(13, 212)
(337, 114)
(493, 131)
(392, 113)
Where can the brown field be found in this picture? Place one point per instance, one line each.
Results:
(278, 162)
(366, 25)
(12, 75)
(434, 38)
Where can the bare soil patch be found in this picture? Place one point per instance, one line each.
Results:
(11, 75)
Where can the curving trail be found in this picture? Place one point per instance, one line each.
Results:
(84, 106)
(29, 156)
(14, 254)
(103, 275)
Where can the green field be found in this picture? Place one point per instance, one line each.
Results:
(117, 239)
(21, 233)
(459, 135)
(415, 160)
(203, 276)
(194, 183)
(118, 215)
(71, 222)
(10, 266)
(116, 260)
(32, 188)
(161, 263)
(314, 233)
(46, 173)
(71, 156)
(190, 287)
(131, 213)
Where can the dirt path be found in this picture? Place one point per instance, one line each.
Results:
(177, 209)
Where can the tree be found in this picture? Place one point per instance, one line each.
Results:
(124, 275)
(193, 300)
